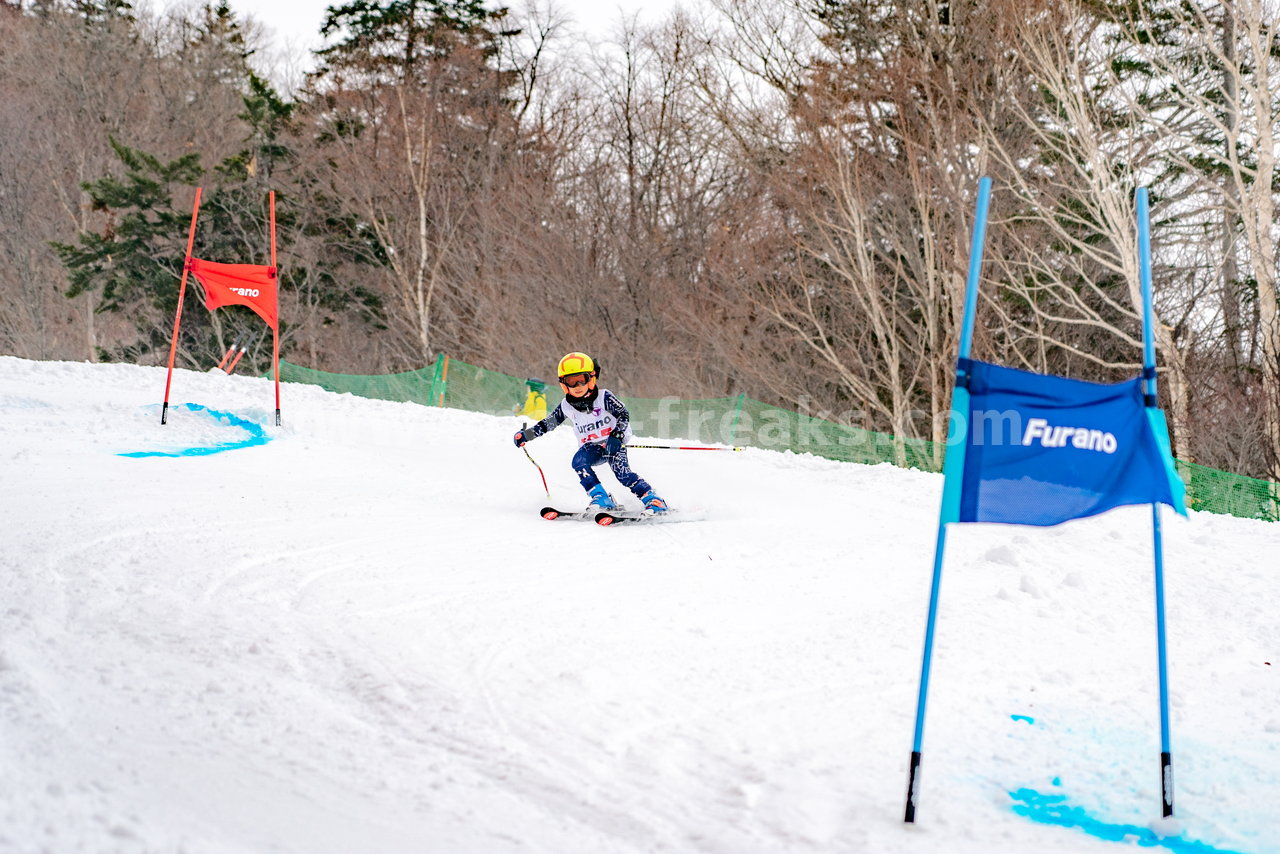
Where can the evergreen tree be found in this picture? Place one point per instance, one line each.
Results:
(397, 40)
(136, 262)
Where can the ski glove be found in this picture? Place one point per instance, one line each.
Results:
(520, 438)
(613, 444)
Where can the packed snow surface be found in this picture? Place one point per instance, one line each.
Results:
(354, 633)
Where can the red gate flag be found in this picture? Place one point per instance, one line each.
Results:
(250, 285)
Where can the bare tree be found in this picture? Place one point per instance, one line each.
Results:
(1231, 127)
(420, 130)
(874, 179)
(73, 76)
(1075, 269)
(646, 183)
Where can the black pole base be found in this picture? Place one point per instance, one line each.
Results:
(913, 779)
(1166, 782)
(277, 417)
(164, 413)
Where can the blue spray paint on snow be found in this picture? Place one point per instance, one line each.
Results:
(1024, 719)
(1053, 809)
(257, 436)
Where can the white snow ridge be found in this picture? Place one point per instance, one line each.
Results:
(357, 635)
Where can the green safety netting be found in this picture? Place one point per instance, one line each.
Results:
(1235, 494)
(741, 421)
(413, 386)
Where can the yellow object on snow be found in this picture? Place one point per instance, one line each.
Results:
(535, 403)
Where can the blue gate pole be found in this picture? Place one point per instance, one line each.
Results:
(952, 469)
(1149, 389)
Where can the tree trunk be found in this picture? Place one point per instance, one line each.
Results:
(1229, 294)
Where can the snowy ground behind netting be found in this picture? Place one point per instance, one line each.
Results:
(353, 633)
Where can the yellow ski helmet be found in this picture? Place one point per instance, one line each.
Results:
(576, 363)
(576, 370)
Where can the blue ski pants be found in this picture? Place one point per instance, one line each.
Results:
(592, 454)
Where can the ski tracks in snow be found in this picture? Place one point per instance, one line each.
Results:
(361, 637)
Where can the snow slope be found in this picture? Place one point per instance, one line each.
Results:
(354, 634)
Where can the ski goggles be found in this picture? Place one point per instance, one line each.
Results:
(576, 380)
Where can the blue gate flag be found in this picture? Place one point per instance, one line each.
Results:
(1040, 450)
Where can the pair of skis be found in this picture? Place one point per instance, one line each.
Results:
(619, 515)
(604, 518)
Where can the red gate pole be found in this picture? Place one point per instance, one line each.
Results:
(177, 317)
(275, 330)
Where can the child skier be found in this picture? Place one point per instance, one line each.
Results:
(603, 426)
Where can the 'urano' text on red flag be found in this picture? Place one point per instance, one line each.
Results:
(238, 284)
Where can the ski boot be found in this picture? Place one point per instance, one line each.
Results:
(600, 500)
(653, 503)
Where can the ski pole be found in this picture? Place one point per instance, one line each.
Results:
(679, 448)
(545, 488)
